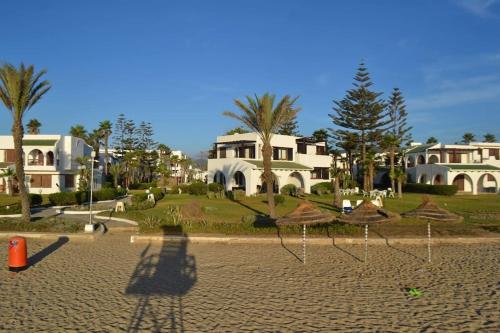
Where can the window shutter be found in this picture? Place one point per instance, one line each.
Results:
(276, 153)
(290, 154)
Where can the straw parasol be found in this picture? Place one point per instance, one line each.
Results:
(429, 210)
(368, 213)
(305, 214)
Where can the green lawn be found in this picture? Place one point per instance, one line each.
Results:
(481, 214)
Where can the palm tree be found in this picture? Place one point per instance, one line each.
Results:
(264, 117)
(105, 127)
(468, 138)
(10, 175)
(20, 90)
(78, 131)
(116, 170)
(432, 140)
(488, 137)
(34, 126)
(400, 175)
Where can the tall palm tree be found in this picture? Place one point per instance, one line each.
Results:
(116, 170)
(261, 115)
(105, 127)
(78, 131)
(94, 140)
(34, 126)
(20, 89)
(400, 175)
(10, 175)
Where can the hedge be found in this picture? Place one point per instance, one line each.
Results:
(289, 189)
(198, 188)
(10, 209)
(215, 187)
(431, 189)
(77, 198)
(322, 188)
(142, 186)
(35, 199)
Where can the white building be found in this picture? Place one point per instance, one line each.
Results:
(237, 162)
(49, 162)
(474, 168)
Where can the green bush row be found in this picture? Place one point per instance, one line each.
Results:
(77, 198)
(142, 186)
(431, 189)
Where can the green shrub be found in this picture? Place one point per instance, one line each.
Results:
(158, 193)
(105, 194)
(10, 209)
(215, 187)
(279, 199)
(142, 186)
(198, 188)
(289, 189)
(67, 198)
(108, 184)
(431, 189)
(183, 187)
(140, 205)
(322, 188)
(35, 199)
(139, 197)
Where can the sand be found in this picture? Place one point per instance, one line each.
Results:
(110, 285)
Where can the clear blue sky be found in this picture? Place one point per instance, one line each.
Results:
(180, 64)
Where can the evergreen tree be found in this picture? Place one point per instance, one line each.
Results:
(290, 127)
(363, 113)
(488, 137)
(400, 131)
(321, 135)
(119, 134)
(432, 140)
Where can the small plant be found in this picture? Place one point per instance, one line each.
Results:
(279, 199)
(152, 222)
(289, 189)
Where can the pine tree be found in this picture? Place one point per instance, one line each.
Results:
(290, 127)
(321, 135)
(361, 112)
(400, 131)
(119, 134)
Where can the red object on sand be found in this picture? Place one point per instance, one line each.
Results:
(18, 253)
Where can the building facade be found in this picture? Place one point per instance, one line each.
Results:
(236, 162)
(474, 167)
(49, 162)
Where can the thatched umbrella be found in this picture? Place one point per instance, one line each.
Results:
(305, 214)
(368, 213)
(429, 210)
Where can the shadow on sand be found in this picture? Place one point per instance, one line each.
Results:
(159, 276)
(37, 257)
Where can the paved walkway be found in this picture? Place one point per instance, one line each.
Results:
(110, 285)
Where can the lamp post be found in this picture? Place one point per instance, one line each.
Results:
(90, 226)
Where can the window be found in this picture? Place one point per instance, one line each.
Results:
(282, 154)
(40, 181)
(495, 152)
(320, 173)
(222, 152)
(455, 157)
(50, 158)
(245, 152)
(35, 157)
(69, 181)
(320, 150)
(10, 155)
(301, 148)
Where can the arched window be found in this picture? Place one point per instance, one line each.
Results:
(421, 159)
(50, 158)
(239, 179)
(433, 159)
(35, 157)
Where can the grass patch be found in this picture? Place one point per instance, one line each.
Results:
(52, 224)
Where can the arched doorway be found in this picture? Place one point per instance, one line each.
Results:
(35, 157)
(220, 178)
(411, 162)
(422, 179)
(463, 182)
(296, 179)
(487, 183)
(239, 180)
(438, 180)
(276, 187)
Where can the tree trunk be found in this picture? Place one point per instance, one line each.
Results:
(106, 155)
(363, 162)
(267, 152)
(391, 172)
(336, 192)
(400, 189)
(18, 133)
(10, 186)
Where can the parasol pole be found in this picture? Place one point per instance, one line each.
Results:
(429, 241)
(366, 243)
(304, 244)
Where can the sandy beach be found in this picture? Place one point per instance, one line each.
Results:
(111, 285)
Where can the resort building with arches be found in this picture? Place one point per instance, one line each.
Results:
(236, 162)
(50, 164)
(473, 167)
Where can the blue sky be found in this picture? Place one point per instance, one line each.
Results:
(180, 64)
